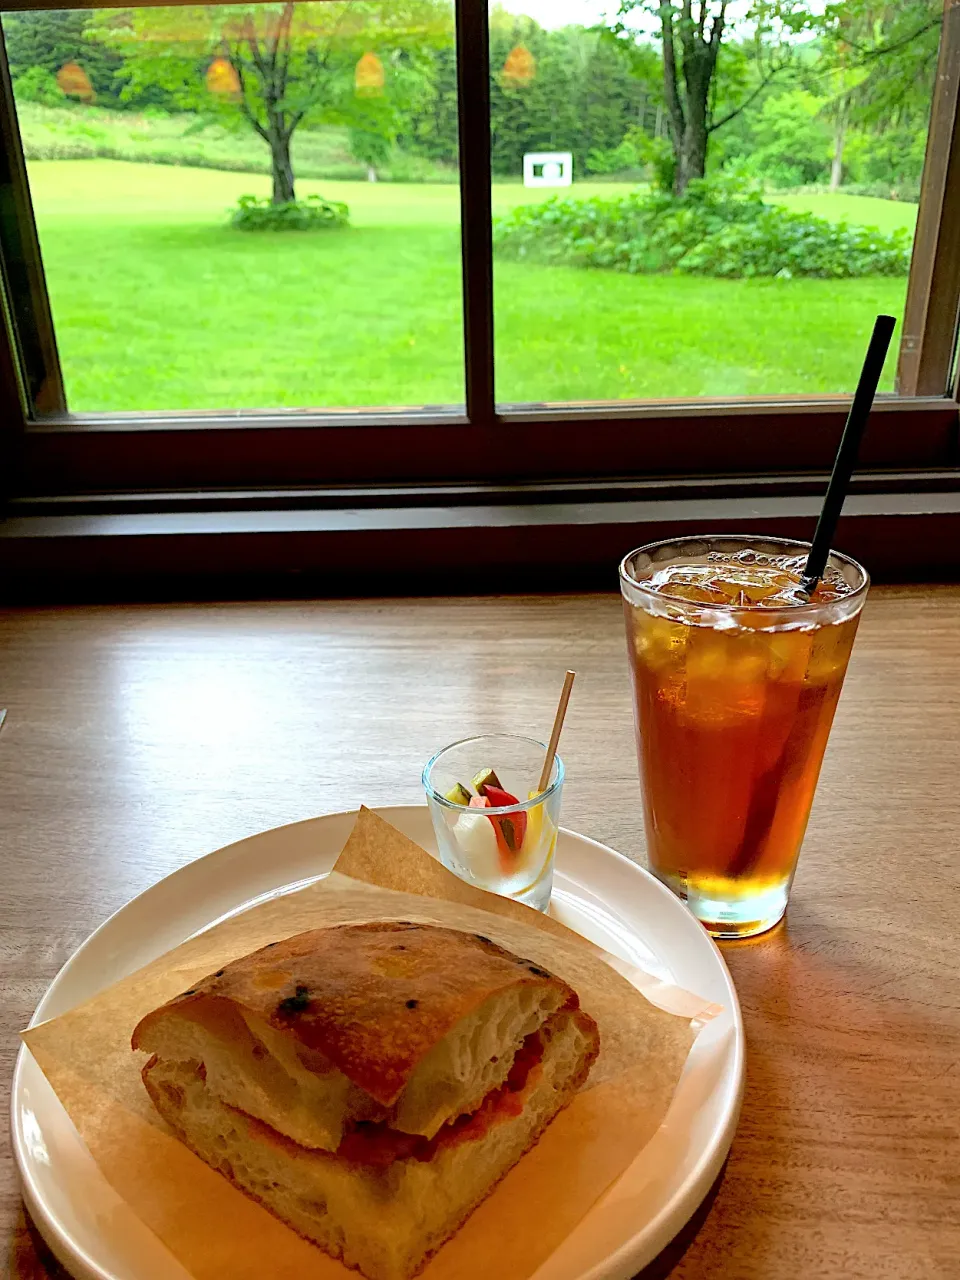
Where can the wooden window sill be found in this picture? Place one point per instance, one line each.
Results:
(438, 546)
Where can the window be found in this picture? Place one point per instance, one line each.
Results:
(148, 149)
(414, 240)
(798, 151)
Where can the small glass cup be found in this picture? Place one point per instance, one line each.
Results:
(733, 707)
(507, 850)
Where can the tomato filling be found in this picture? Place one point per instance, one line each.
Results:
(376, 1144)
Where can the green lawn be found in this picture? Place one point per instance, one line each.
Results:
(865, 211)
(158, 305)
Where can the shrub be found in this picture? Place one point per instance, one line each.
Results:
(718, 228)
(908, 190)
(254, 213)
(37, 84)
(657, 154)
(614, 159)
(404, 167)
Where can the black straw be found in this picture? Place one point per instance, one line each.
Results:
(847, 453)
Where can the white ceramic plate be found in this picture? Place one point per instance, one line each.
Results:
(598, 892)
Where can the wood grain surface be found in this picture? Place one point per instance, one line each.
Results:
(140, 737)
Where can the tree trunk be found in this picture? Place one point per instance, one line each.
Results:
(676, 122)
(688, 114)
(693, 157)
(371, 173)
(839, 138)
(698, 67)
(283, 192)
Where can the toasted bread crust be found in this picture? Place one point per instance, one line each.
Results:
(371, 1000)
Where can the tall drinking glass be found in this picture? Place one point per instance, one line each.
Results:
(736, 678)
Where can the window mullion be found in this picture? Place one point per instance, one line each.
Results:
(473, 80)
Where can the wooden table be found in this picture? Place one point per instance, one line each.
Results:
(140, 737)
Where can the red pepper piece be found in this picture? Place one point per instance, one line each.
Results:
(498, 797)
(506, 853)
(514, 825)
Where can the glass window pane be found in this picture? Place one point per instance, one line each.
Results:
(736, 241)
(247, 207)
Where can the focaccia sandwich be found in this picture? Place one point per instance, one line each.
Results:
(369, 1084)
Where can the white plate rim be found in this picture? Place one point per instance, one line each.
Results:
(636, 1252)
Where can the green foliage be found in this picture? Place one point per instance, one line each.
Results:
(67, 132)
(274, 68)
(614, 160)
(620, 159)
(887, 164)
(889, 53)
(372, 132)
(430, 126)
(313, 213)
(715, 229)
(583, 96)
(638, 155)
(705, 87)
(780, 104)
(792, 142)
(370, 148)
(48, 39)
(656, 154)
(856, 84)
(37, 84)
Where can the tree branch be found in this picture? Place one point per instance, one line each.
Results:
(250, 35)
(718, 26)
(320, 64)
(867, 53)
(294, 121)
(751, 97)
(283, 68)
(237, 63)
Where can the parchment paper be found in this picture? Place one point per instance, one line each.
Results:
(216, 1231)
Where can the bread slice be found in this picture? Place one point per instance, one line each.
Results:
(370, 1084)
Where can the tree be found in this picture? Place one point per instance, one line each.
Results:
(563, 90)
(893, 48)
(884, 57)
(791, 140)
(692, 34)
(532, 90)
(271, 67)
(52, 39)
(373, 133)
(431, 126)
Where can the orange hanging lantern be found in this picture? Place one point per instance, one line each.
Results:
(222, 78)
(369, 77)
(520, 66)
(75, 82)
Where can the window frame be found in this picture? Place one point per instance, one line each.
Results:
(55, 453)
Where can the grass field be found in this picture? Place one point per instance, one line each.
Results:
(866, 211)
(158, 305)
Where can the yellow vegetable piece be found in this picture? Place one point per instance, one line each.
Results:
(540, 832)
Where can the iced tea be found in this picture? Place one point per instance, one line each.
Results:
(736, 676)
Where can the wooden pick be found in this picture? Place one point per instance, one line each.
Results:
(557, 726)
